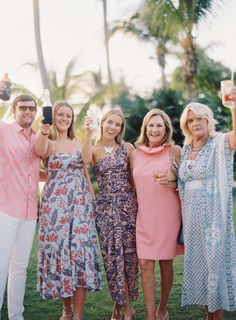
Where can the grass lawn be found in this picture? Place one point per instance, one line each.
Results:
(99, 305)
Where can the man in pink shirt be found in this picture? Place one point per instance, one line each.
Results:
(19, 176)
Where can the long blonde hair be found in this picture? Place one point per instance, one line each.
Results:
(121, 134)
(71, 130)
(202, 111)
(143, 139)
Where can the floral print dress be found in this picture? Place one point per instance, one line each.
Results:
(115, 216)
(68, 254)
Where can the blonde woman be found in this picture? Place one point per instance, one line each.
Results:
(205, 185)
(116, 210)
(68, 254)
(159, 217)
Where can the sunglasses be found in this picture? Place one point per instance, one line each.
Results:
(24, 108)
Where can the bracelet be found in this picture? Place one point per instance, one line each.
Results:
(44, 134)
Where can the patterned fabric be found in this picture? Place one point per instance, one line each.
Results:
(68, 255)
(19, 174)
(210, 249)
(115, 215)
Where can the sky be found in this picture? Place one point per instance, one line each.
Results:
(72, 28)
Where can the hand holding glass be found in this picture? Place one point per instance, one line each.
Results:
(226, 88)
(159, 177)
(94, 117)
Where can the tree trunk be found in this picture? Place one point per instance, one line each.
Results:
(189, 64)
(106, 41)
(41, 63)
(161, 58)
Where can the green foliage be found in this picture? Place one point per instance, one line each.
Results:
(207, 87)
(136, 107)
(134, 110)
(4, 106)
(172, 102)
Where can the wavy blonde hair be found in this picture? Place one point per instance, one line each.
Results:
(121, 134)
(143, 139)
(71, 130)
(202, 111)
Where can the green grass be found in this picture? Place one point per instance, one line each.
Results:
(99, 305)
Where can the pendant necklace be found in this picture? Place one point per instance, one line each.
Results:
(108, 149)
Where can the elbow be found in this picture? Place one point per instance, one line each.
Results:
(39, 151)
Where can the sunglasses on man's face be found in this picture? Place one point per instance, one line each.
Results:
(24, 108)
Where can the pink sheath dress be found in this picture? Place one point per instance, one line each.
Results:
(159, 213)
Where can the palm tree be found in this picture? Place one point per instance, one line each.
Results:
(106, 41)
(97, 93)
(41, 63)
(179, 23)
(142, 24)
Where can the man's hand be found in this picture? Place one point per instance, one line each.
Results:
(4, 91)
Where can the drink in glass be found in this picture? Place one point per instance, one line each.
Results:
(226, 88)
(92, 113)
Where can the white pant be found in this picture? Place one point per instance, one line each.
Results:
(16, 238)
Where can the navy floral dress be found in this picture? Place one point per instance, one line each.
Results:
(115, 216)
(68, 254)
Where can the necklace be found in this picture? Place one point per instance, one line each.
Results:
(199, 147)
(194, 151)
(108, 149)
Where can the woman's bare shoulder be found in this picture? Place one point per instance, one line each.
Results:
(175, 151)
(129, 147)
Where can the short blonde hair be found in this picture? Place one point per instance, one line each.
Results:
(121, 134)
(202, 111)
(143, 139)
(71, 130)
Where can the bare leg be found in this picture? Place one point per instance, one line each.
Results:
(219, 315)
(117, 312)
(128, 309)
(210, 316)
(67, 309)
(79, 299)
(213, 315)
(167, 276)
(149, 286)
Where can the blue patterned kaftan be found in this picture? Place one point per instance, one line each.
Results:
(205, 186)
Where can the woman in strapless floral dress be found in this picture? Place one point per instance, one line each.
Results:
(115, 211)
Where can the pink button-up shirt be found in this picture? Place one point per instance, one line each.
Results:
(19, 172)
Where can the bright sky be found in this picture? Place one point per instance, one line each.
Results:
(74, 27)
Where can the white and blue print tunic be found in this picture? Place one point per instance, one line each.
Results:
(205, 186)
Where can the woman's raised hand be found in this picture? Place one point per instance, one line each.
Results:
(88, 124)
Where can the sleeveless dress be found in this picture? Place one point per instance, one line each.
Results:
(68, 255)
(115, 215)
(205, 186)
(159, 216)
